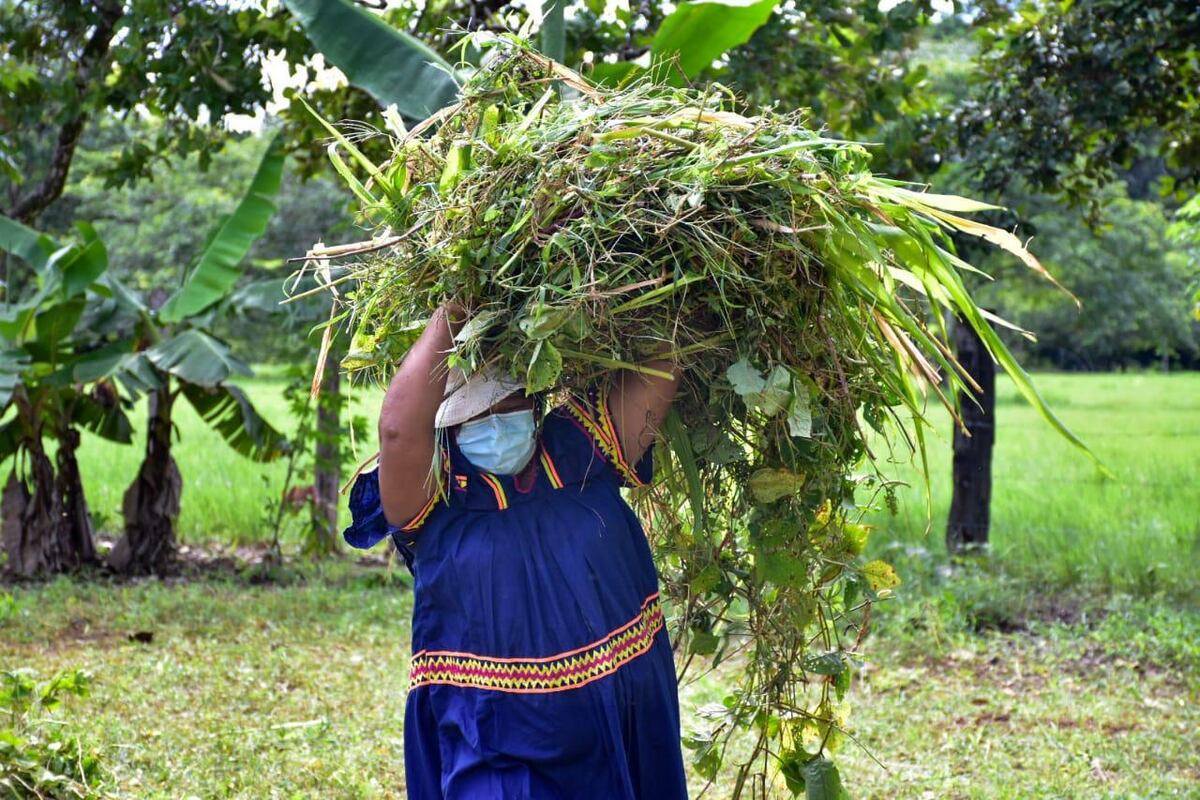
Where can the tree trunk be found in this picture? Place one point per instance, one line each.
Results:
(970, 508)
(33, 520)
(151, 503)
(76, 527)
(327, 462)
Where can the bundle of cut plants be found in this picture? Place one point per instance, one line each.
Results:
(587, 230)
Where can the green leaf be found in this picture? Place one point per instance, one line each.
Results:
(458, 163)
(106, 421)
(553, 33)
(880, 575)
(475, 327)
(87, 263)
(776, 394)
(822, 781)
(12, 364)
(744, 378)
(544, 369)
(703, 643)
(681, 445)
(122, 295)
(831, 663)
(768, 485)
(219, 267)
(55, 323)
(103, 362)
(231, 414)
(799, 416)
(544, 320)
(368, 166)
(264, 296)
(780, 567)
(702, 30)
(769, 395)
(613, 74)
(195, 357)
(27, 244)
(841, 683)
(390, 65)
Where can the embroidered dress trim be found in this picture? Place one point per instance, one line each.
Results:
(555, 673)
(427, 509)
(551, 470)
(605, 434)
(497, 489)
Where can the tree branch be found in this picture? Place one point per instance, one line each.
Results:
(27, 207)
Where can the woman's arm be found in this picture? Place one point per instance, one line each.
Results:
(639, 403)
(406, 431)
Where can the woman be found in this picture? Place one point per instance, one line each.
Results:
(541, 665)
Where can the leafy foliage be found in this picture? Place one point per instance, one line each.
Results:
(1067, 93)
(1133, 280)
(394, 67)
(66, 63)
(220, 266)
(37, 759)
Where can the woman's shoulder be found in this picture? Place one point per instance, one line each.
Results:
(580, 432)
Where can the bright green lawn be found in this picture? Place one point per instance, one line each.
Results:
(1055, 518)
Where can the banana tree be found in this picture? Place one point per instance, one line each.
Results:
(160, 354)
(46, 524)
(168, 353)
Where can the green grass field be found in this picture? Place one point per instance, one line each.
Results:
(1055, 518)
(1064, 665)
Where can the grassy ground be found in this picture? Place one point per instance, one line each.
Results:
(1056, 520)
(1067, 664)
(297, 690)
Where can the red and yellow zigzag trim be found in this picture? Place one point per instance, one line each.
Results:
(605, 433)
(421, 516)
(555, 673)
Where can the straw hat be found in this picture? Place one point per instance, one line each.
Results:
(468, 397)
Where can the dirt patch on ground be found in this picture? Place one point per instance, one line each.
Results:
(252, 564)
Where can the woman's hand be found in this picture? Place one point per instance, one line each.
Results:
(406, 419)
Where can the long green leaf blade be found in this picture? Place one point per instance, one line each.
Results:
(195, 357)
(24, 242)
(229, 411)
(220, 265)
(700, 31)
(389, 64)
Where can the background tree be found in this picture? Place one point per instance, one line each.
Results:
(1066, 99)
(1067, 94)
(47, 527)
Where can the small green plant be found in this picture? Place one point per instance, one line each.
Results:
(8, 607)
(293, 507)
(37, 759)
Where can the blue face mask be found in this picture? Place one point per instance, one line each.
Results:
(499, 443)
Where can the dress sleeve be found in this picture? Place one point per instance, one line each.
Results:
(369, 525)
(591, 415)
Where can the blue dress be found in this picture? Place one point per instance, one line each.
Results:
(541, 666)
